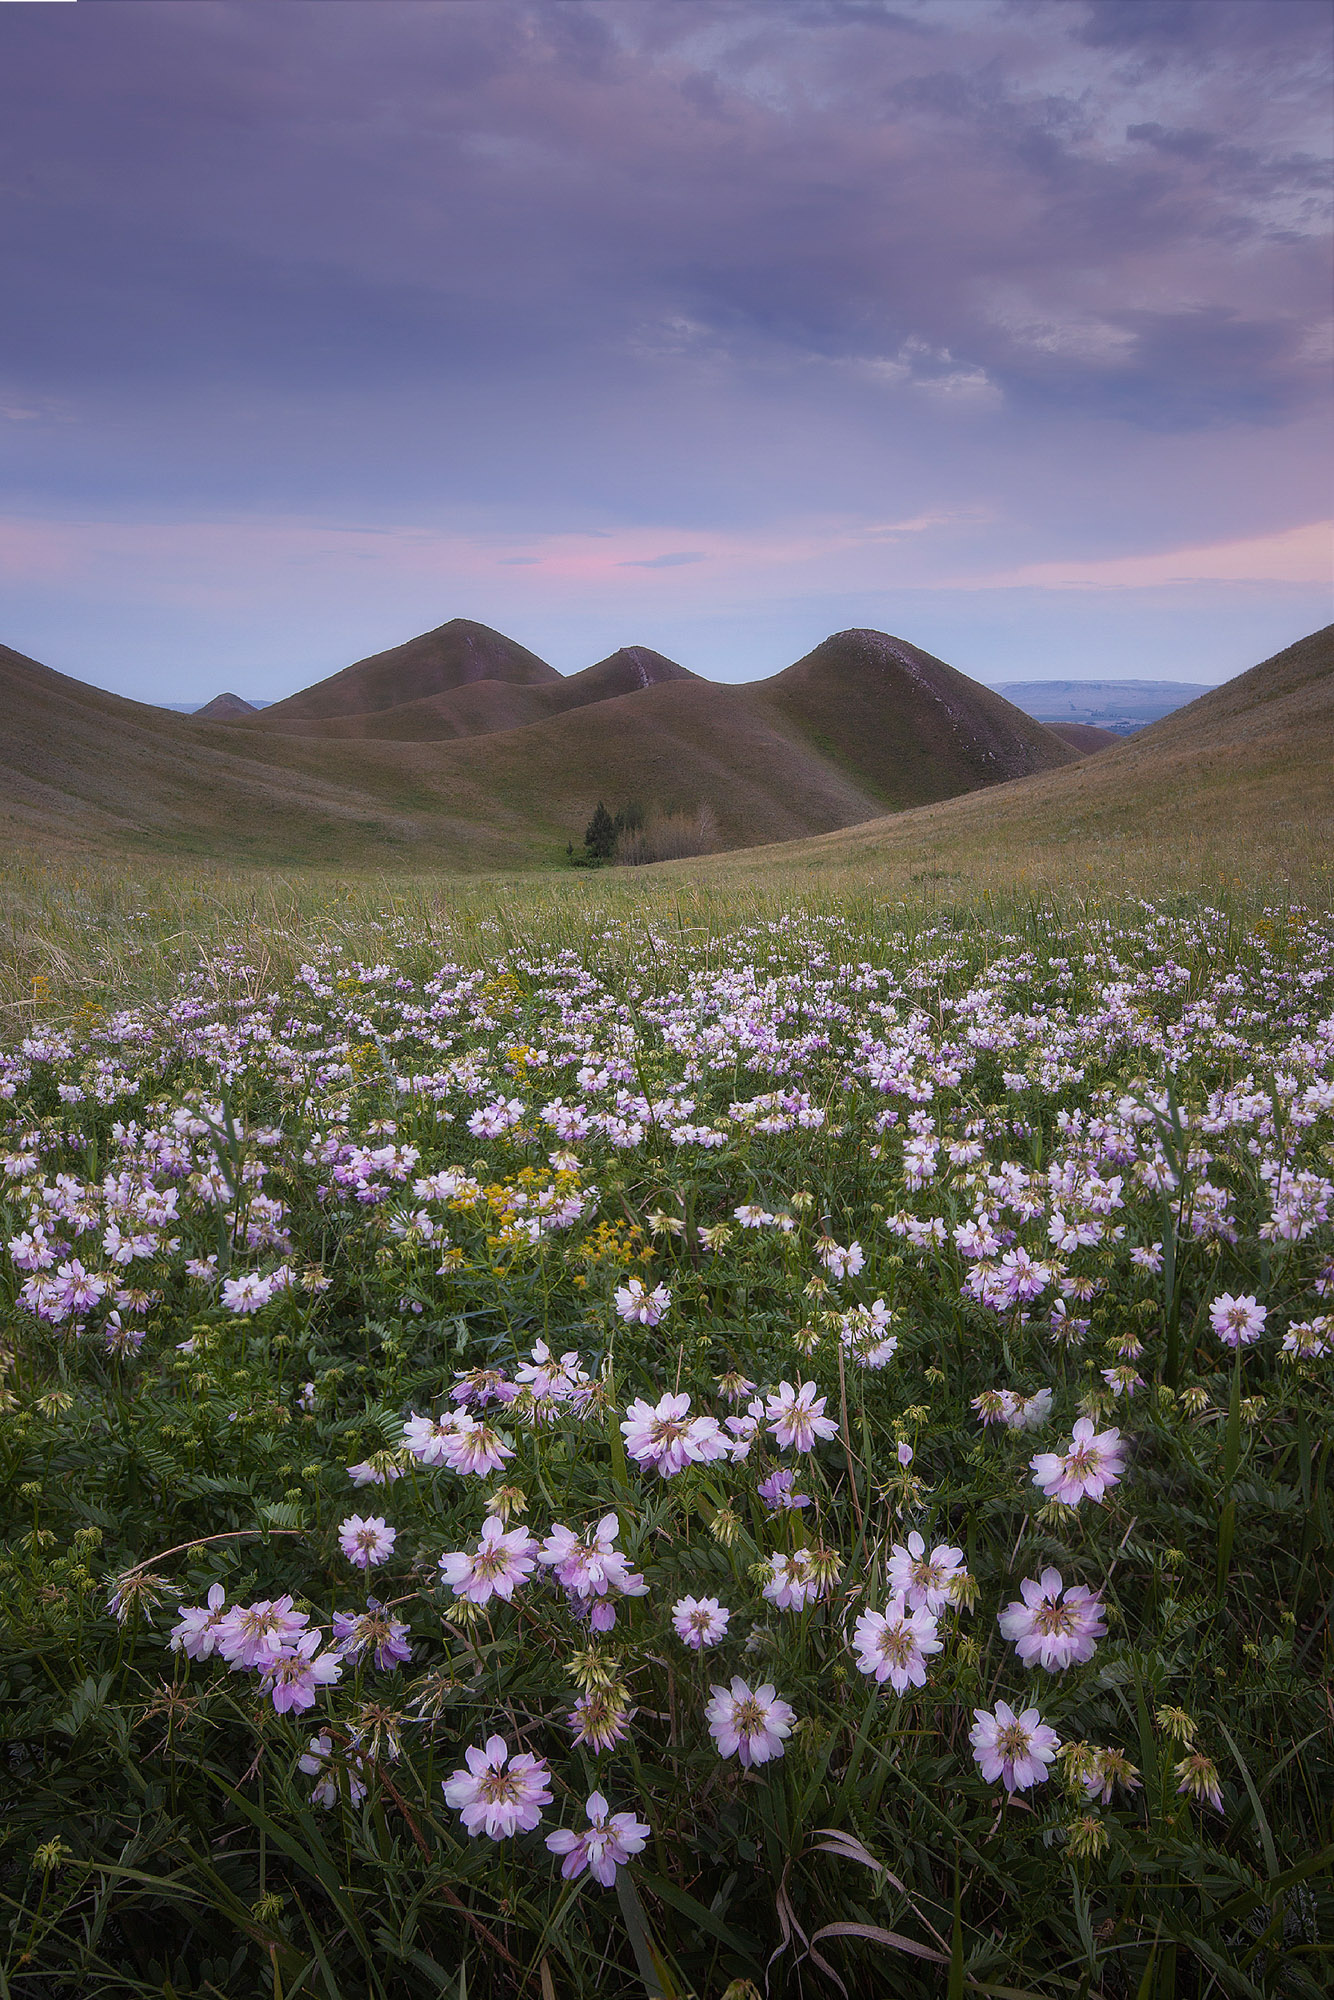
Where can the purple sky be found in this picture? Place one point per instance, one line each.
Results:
(710, 325)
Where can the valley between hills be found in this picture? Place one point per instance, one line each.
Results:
(461, 751)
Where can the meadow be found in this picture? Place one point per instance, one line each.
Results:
(707, 1436)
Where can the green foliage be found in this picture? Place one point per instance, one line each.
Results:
(159, 1836)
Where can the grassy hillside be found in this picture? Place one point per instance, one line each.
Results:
(451, 656)
(485, 708)
(904, 725)
(462, 778)
(1235, 797)
(1084, 737)
(1236, 787)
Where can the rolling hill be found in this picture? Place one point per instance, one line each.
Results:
(862, 725)
(225, 708)
(454, 655)
(485, 707)
(1237, 784)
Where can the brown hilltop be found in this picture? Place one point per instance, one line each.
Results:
(225, 708)
(468, 751)
(1239, 781)
(903, 723)
(454, 655)
(483, 707)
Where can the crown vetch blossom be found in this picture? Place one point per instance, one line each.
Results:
(793, 1584)
(426, 1437)
(1239, 1321)
(796, 1416)
(665, 1435)
(1013, 1409)
(296, 1674)
(700, 1621)
(368, 1473)
(892, 1645)
(501, 1560)
(250, 1635)
(592, 1569)
(497, 1794)
(605, 1845)
(195, 1632)
(600, 1717)
(355, 1631)
(1199, 1779)
(635, 1303)
(366, 1542)
(473, 1447)
(777, 1491)
(314, 1761)
(926, 1581)
(1057, 1631)
(1091, 1463)
(1014, 1748)
(749, 1724)
(840, 1260)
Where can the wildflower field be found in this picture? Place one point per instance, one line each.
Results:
(791, 1459)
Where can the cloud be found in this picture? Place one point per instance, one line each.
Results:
(619, 287)
(673, 561)
(1295, 556)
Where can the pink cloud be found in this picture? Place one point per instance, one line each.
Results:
(1295, 555)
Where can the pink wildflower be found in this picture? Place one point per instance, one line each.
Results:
(196, 1631)
(315, 1762)
(605, 1845)
(635, 1303)
(666, 1437)
(1056, 1632)
(893, 1644)
(500, 1561)
(592, 1569)
(840, 1260)
(793, 1584)
(366, 1542)
(796, 1416)
(749, 1724)
(473, 1447)
(294, 1675)
(700, 1621)
(600, 1719)
(1237, 1322)
(498, 1794)
(250, 1635)
(925, 1580)
(1093, 1462)
(1014, 1748)
(426, 1437)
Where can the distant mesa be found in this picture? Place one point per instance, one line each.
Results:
(1122, 707)
(1085, 737)
(225, 708)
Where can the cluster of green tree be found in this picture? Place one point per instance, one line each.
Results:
(602, 834)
